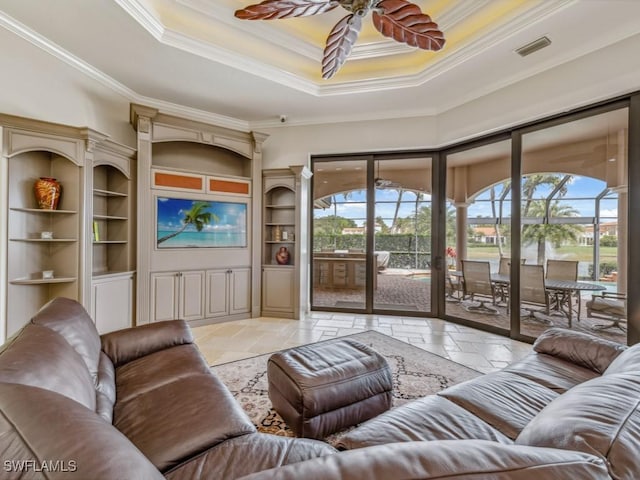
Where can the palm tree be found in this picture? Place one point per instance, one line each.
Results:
(394, 223)
(531, 184)
(196, 216)
(556, 234)
(492, 196)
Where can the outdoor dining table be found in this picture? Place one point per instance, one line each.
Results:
(568, 287)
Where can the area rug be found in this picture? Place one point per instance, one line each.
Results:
(416, 373)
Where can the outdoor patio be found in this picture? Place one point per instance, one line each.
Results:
(409, 290)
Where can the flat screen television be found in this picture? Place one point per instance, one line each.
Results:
(185, 223)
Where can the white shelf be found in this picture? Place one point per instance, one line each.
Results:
(112, 273)
(108, 217)
(291, 242)
(281, 207)
(42, 281)
(44, 240)
(108, 193)
(41, 210)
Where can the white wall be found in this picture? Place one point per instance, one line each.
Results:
(36, 85)
(293, 145)
(603, 74)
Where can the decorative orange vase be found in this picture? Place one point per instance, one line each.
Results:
(47, 192)
(282, 257)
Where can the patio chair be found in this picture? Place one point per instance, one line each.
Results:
(453, 288)
(610, 306)
(476, 278)
(502, 289)
(533, 291)
(563, 270)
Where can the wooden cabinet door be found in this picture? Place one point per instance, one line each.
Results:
(112, 303)
(277, 290)
(164, 296)
(239, 290)
(192, 285)
(216, 293)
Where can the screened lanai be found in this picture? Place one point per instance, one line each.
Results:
(571, 204)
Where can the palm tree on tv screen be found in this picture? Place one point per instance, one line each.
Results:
(196, 216)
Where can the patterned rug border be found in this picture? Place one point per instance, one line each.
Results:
(387, 337)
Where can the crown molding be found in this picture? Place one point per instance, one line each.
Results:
(85, 68)
(258, 30)
(144, 16)
(314, 87)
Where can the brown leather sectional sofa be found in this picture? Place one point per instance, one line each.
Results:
(568, 411)
(134, 404)
(141, 403)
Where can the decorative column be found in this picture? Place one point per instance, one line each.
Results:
(461, 233)
(141, 119)
(256, 256)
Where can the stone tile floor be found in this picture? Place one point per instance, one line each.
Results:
(482, 351)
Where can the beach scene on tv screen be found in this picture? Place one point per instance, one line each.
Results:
(183, 223)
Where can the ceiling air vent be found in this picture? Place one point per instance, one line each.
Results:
(534, 46)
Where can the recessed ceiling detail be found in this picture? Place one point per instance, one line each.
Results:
(289, 51)
(399, 20)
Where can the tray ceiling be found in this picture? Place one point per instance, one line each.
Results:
(194, 58)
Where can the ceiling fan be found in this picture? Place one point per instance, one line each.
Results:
(380, 182)
(400, 20)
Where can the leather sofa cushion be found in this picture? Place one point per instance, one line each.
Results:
(43, 426)
(551, 372)
(159, 368)
(580, 348)
(444, 460)
(39, 357)
(627, 361)
(247, 454)
(504, 400)
(105, 388)
(599, 417)
(70, 320)
(181, 419)
(123, 346)
(428, 418)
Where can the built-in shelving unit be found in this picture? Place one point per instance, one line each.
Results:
(32, 257)
(111, 233)
(190, 161)
(111, 212)
(50, 253)
(279, 223)
(281, 229)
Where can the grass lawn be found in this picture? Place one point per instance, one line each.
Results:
(582, 254)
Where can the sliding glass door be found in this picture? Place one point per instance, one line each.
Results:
(574, 226)
(339, 250)
(478, 234)
(402, 246)
(372, 234)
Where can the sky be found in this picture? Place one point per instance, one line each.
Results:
(580, 194)
(231, 216)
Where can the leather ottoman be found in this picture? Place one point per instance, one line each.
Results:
(322, 388)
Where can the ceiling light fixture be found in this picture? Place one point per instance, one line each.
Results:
(400, 20)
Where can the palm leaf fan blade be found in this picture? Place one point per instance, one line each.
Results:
(340, 43)
(274, 9)
(404, 22)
